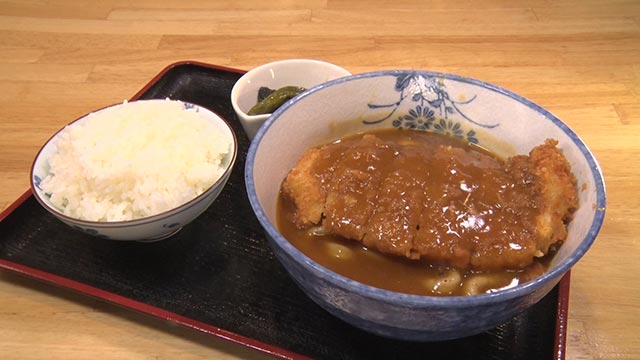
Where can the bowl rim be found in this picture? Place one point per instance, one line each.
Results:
(147, 219)
(235, 90)
(389, 296)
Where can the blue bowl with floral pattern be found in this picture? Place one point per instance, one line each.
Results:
(484, 114)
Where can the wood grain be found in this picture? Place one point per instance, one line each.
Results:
(62, 58)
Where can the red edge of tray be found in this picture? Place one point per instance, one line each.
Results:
(562, 317)
(563, 291)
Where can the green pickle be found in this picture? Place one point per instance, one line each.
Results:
(270, 103)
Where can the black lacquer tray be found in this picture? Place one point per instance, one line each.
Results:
(219, 276)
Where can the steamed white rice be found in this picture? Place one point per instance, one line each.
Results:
(133, 161)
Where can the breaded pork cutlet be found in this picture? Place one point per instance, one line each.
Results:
(443, 204)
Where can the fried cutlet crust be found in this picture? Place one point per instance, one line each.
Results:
(557, 185)
(304, 187)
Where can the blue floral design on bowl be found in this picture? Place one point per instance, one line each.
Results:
(434, 110)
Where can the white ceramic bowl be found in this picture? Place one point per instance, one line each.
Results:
(305, 73)
(151, 228)
(479, 112)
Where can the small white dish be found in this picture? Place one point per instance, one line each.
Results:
(305, 73)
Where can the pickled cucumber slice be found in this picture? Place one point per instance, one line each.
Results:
(275, 100)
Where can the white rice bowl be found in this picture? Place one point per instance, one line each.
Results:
(133, 161)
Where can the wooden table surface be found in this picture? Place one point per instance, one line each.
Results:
(578, 58)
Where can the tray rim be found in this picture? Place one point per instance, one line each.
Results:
(561, 317)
